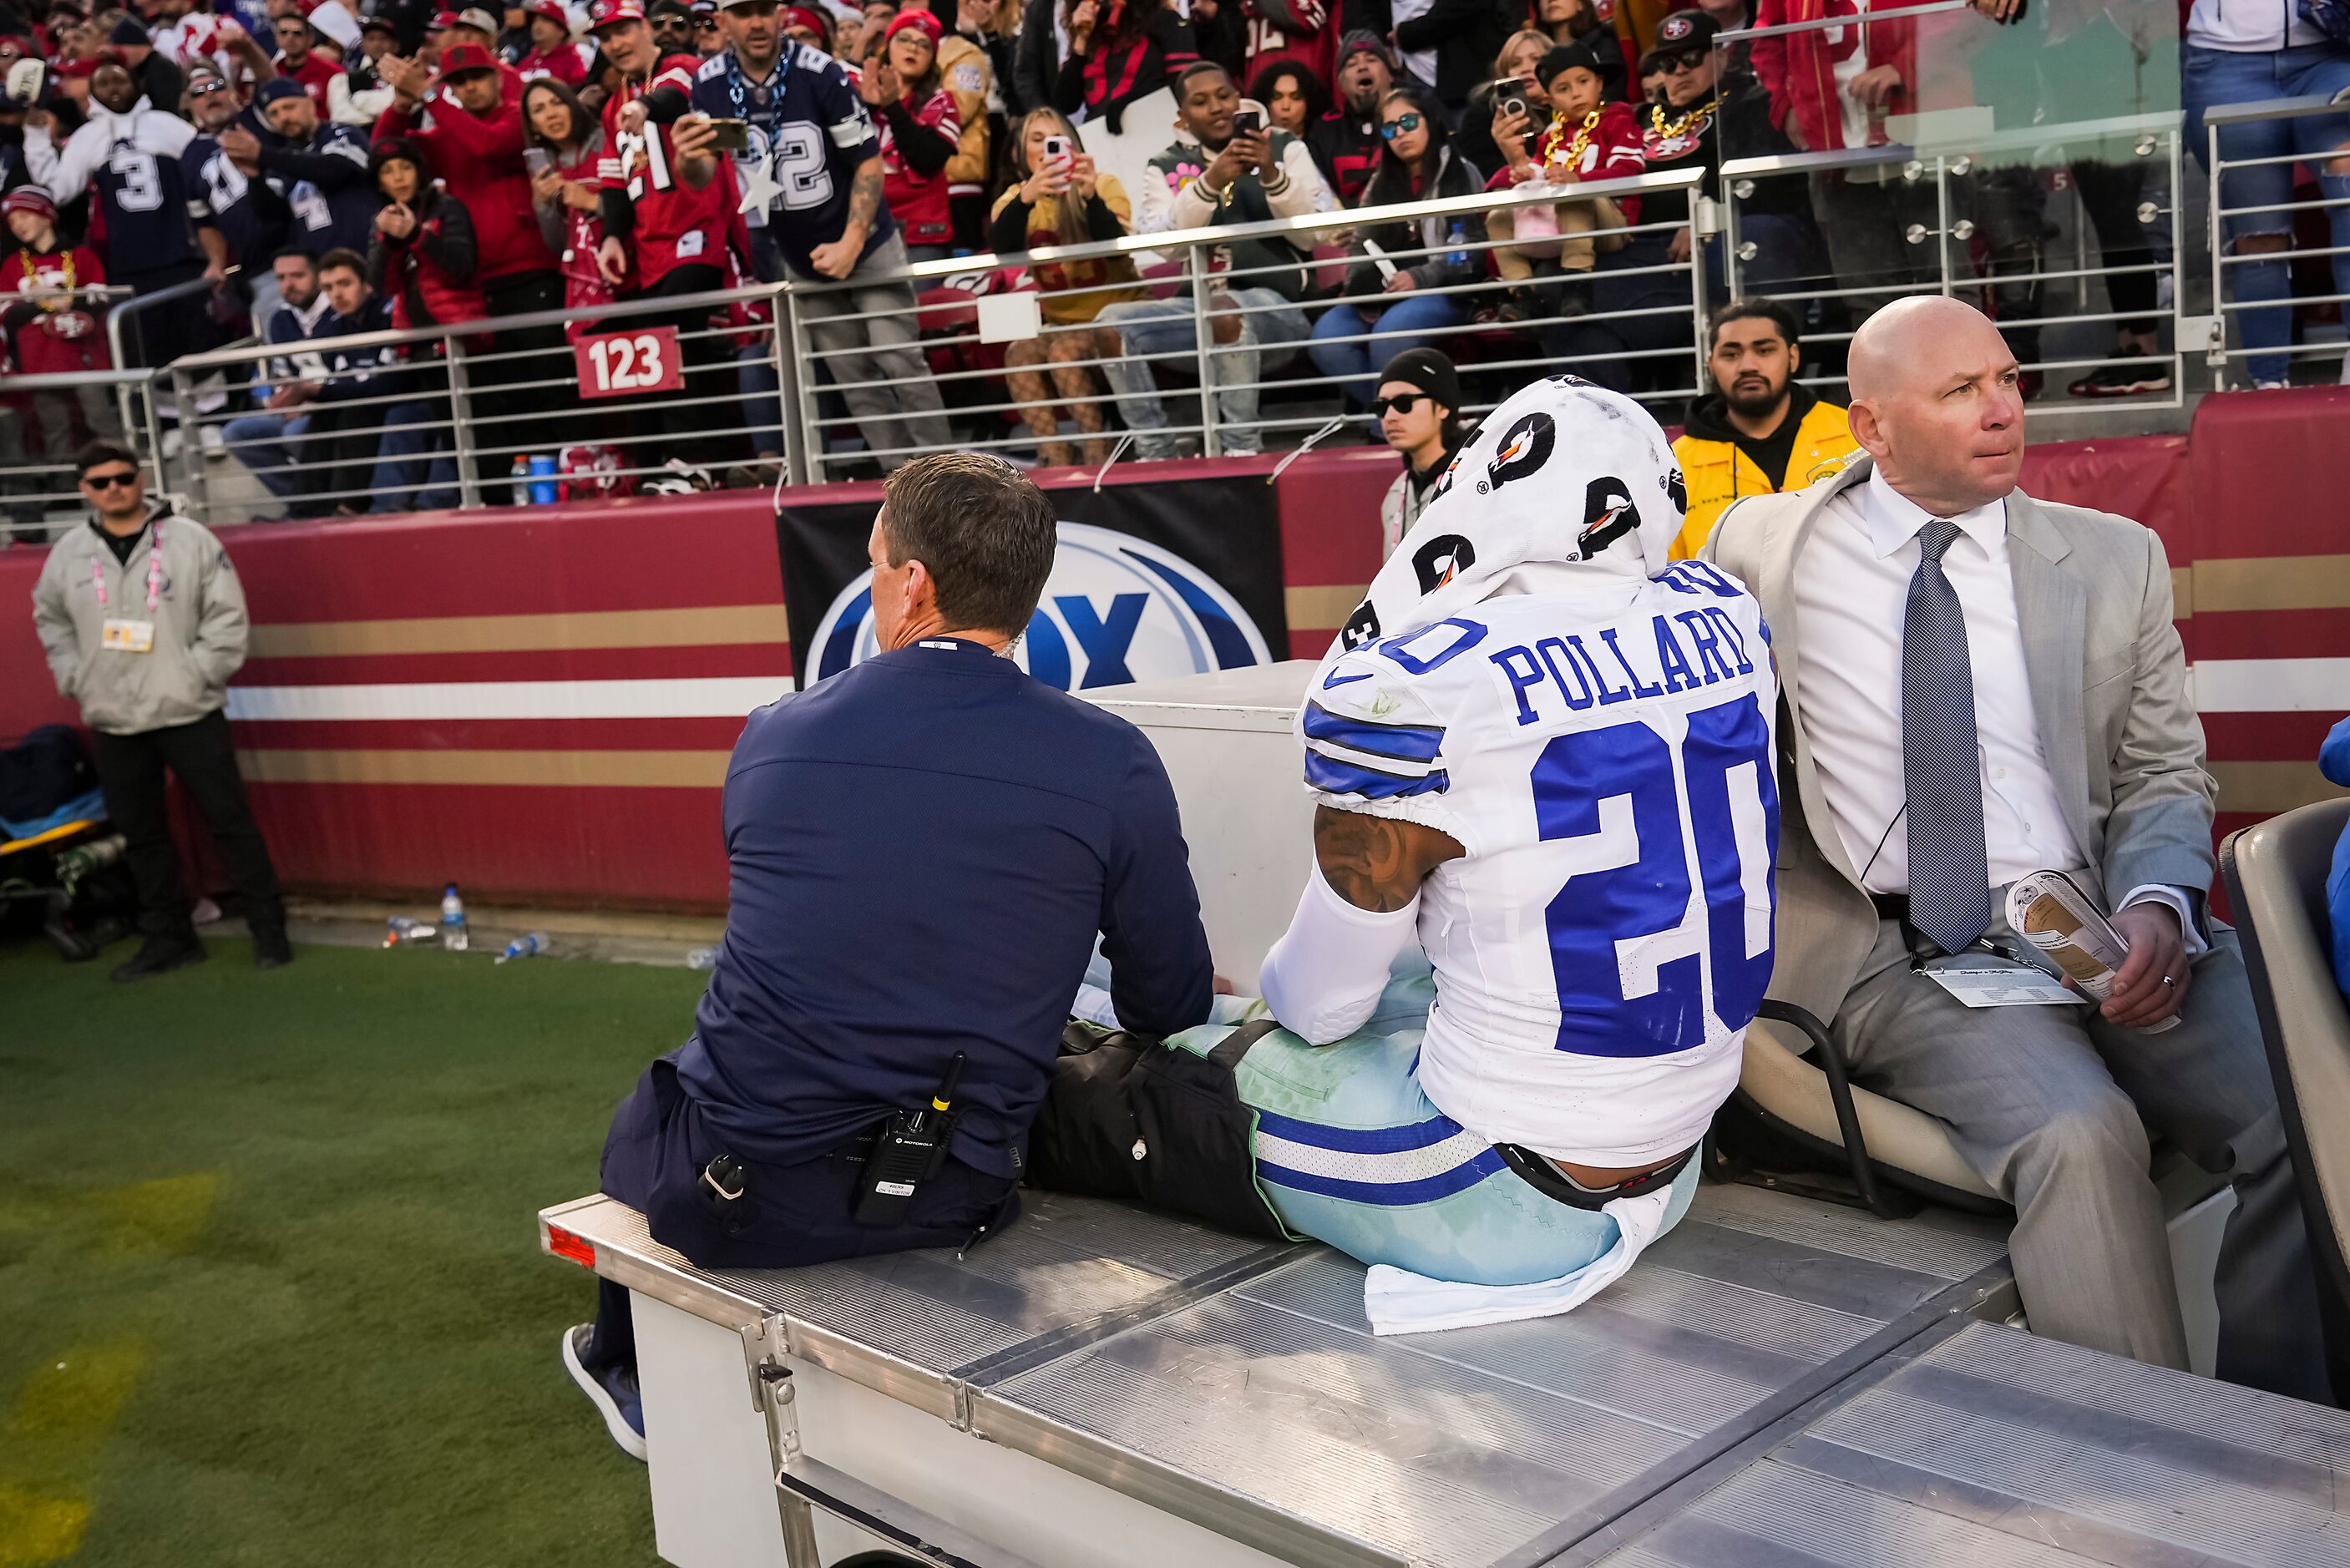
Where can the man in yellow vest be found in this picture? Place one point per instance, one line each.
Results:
(1759, 432)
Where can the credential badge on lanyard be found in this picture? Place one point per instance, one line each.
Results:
(123, 636)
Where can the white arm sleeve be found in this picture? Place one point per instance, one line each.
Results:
(1324, 975)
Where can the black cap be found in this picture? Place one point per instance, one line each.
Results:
(1565, 56)
(1682, 33)
(1429, 370)
(128, 34)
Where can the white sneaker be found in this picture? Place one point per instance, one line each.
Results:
(216, 445)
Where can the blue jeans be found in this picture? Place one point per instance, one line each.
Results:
(265, 443)
(1402, 327)
(2218, 77)
(413, 458)
(760, 387)
(1148, 328)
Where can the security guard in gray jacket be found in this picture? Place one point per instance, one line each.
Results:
(143, 621)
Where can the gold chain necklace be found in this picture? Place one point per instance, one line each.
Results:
(1573, 156)
(1693, 121)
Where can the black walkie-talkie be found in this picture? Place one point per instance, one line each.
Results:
(909, 1149)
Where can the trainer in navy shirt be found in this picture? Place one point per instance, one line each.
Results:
(923, 849)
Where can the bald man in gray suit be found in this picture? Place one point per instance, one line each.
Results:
(1977, 685)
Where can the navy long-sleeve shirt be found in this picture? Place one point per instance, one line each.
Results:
(922, 849)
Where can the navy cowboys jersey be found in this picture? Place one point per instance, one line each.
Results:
(809, 132)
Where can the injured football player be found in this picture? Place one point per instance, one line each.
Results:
(1538, 921)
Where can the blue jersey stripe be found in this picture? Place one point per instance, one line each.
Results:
(1386, 1194)
(1348, 778)
(1406, 743)
(1360, 1140)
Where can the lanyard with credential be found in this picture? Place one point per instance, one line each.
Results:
(154, 573)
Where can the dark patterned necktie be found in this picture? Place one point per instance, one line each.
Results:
(1950, 884)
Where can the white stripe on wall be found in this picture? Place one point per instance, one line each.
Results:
(703, 696)
(2272, 685)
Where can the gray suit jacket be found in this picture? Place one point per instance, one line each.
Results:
(2109, 689)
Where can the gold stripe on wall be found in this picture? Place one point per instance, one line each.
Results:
(2182, 592)
(608, 770)
(2272, 583)
(1322, 606)
(2263, 789)
(694, 627)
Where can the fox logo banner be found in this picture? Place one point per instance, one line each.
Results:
(1151, 582)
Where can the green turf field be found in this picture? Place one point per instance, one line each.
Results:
(270, 1292)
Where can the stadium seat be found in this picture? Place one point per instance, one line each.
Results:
(2275, 876)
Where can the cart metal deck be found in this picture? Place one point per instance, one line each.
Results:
(1104, 1385)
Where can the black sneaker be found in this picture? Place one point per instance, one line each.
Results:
(270, 948)
(2142, 374)
(159, 955)
(612, 1391)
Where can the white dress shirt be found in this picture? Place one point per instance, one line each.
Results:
(1852, 588)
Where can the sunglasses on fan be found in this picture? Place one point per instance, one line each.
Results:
(1398, 126)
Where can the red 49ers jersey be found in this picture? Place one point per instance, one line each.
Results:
(676, 224)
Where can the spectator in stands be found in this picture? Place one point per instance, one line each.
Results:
(1119, 50)
(568, 192)
(1688, 123)
(1214, 176)
(1577, 22)
(323, 167)
(1465, 35)
(969, 76)
(672, 26)
(425, 260)
(841, 229)
(130, 156)
(1833, 88)
(267, 442)
(360, 94)
(991, 28)
(143, 622)
(2243, 54)
(1393, 305)
(1294, 99)
(53, 330)
(356, 394)
(918, 124)
(1038, 54)
(158, 81)
(234, 199)
(1062, 200)
(840, 993)
(1418, 409)
(1760, 433)
(707, 38)
(669, 206)
(747, 82)
(475, 142)
(553, 51)
(1589, 139)
(1516, 67)
(1345, 138)
(801, 25)
(2334, 762)
(299, 61)
(1991, 684)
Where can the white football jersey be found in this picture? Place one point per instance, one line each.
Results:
(1604, 755)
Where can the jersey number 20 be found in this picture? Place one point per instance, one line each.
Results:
(1615, 788)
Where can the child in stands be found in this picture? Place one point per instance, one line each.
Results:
(1590, 139)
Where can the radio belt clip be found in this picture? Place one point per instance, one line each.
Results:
(908, 1150)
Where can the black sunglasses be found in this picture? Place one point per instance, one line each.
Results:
(1402, 403)
(1678, 64)
(1398, 126)
(205, 90)
(108, 481)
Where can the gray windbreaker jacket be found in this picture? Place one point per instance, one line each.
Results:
(199, 627)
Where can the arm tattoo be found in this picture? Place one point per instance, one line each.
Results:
(1376, 863)
(865, 194)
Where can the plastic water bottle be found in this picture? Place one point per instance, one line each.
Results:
(453, 935)
(402, 932)
(520, 476)
(1459, 237)
(702, 958)
(530, 946)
